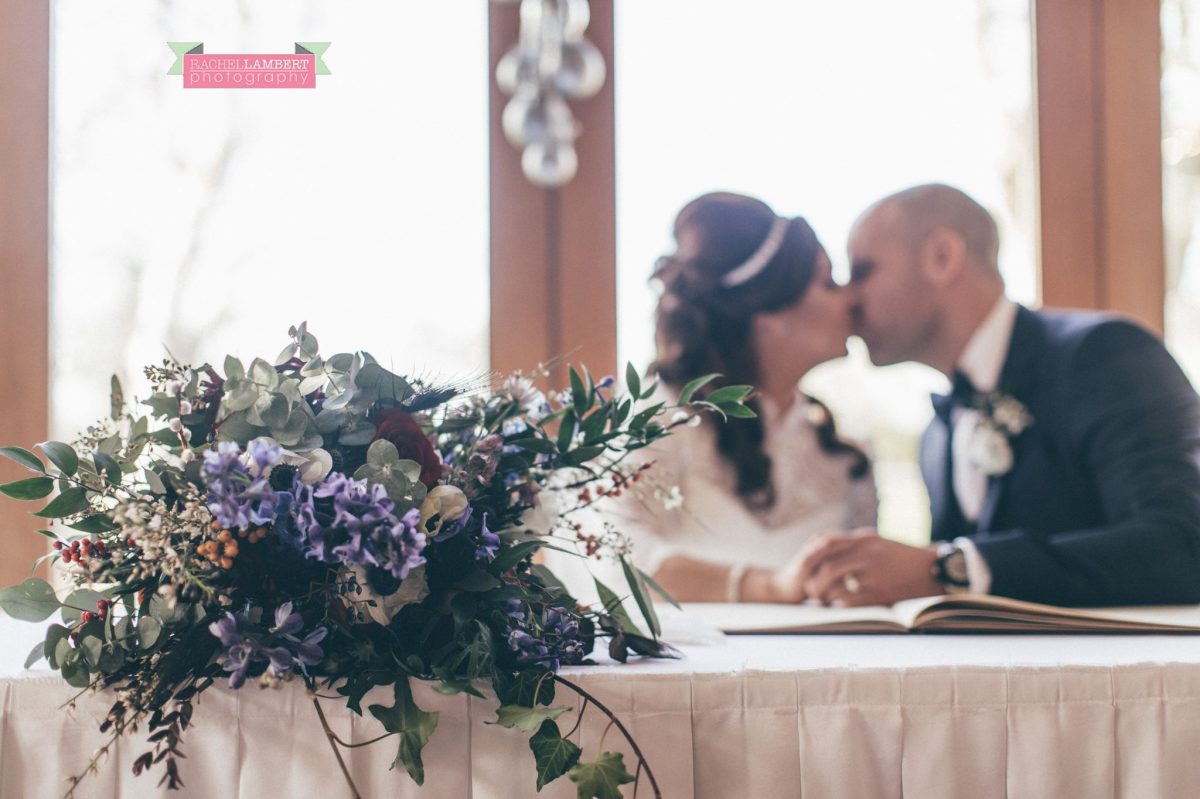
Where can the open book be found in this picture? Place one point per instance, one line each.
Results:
(957, 613)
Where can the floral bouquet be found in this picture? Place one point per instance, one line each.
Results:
(324, 520)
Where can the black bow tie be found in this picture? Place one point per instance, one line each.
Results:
(962, 395)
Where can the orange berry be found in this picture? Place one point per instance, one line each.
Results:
(231, 549)
(225, 536)
(226, 563)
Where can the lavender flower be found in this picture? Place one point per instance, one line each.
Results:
(238, 497)
(347, 521)
(247, 645)
(489, 542)
(557, 644)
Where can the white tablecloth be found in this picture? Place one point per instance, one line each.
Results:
(771, 716)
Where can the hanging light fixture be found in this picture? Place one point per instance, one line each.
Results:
(551, 63)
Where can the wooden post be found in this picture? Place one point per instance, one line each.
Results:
(553, 252)
(24, 256)
(1099, 142)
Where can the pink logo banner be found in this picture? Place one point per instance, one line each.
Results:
(202, 70)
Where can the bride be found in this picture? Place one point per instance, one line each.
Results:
(749, 295)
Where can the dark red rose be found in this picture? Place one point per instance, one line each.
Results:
(401, 429)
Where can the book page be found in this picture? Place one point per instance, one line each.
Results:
(984, 612)
(751, 617)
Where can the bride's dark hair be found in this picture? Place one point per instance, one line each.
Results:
(703, 326)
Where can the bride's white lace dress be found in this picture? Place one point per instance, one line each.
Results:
(814, 493)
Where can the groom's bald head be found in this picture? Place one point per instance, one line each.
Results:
(917, 212)
(923, 271)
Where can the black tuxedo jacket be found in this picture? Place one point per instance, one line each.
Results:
(1102, 505)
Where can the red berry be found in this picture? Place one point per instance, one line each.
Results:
(102, 613)
(103, 604)
(58, 544)
(87, 616)
(66, 556)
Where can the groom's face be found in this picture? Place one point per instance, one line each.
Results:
(891, 303)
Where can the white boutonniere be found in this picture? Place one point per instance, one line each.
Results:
(1001, 419)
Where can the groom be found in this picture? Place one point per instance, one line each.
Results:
(1064, 467)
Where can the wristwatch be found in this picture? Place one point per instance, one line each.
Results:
(950, 568)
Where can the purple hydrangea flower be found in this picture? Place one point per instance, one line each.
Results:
(238, 496)
(348, 521)
(247, 645)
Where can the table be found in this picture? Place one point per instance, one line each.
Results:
(765, 716)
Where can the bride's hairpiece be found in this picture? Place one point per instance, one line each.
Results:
(746, 270)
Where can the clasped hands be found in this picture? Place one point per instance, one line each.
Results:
(856, 568)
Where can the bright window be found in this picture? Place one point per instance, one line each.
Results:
(207, 221)
(1181, 179)
(820, 109)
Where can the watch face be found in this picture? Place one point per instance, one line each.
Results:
(956, 567)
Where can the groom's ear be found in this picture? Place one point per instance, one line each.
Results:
(943, 256)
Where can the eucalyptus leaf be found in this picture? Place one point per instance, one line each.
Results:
(148, 631)
(55, 634)
(116, 399)
(74, 670)
(32, 600)
(233, 368)
(92, 647)
(78, 601)
(23, 457)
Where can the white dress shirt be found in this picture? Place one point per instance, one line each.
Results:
(981, 361)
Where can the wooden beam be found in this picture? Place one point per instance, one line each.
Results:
(1099, 149)
(24, 256)
(553, 252)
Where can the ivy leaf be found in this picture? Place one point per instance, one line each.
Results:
(413, 725)
(32, 600)
(71, 501)
(62, 456)
(454, 687)
(23, 457)
(29, 488)
(601, 778)
(522, 687)
(554, 754)
(526, 719)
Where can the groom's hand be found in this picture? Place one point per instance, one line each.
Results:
(860, 568)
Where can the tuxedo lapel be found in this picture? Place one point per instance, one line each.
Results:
(1018, 378)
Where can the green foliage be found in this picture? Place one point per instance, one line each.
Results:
(399, 477)
(613, 607)
(601, 778)
(553, 754)
(62, 456)
(413, 725)
(68, 503)
(641, 595)
(23, 457)
(32, 600)
(29, 488)
(527, 719)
